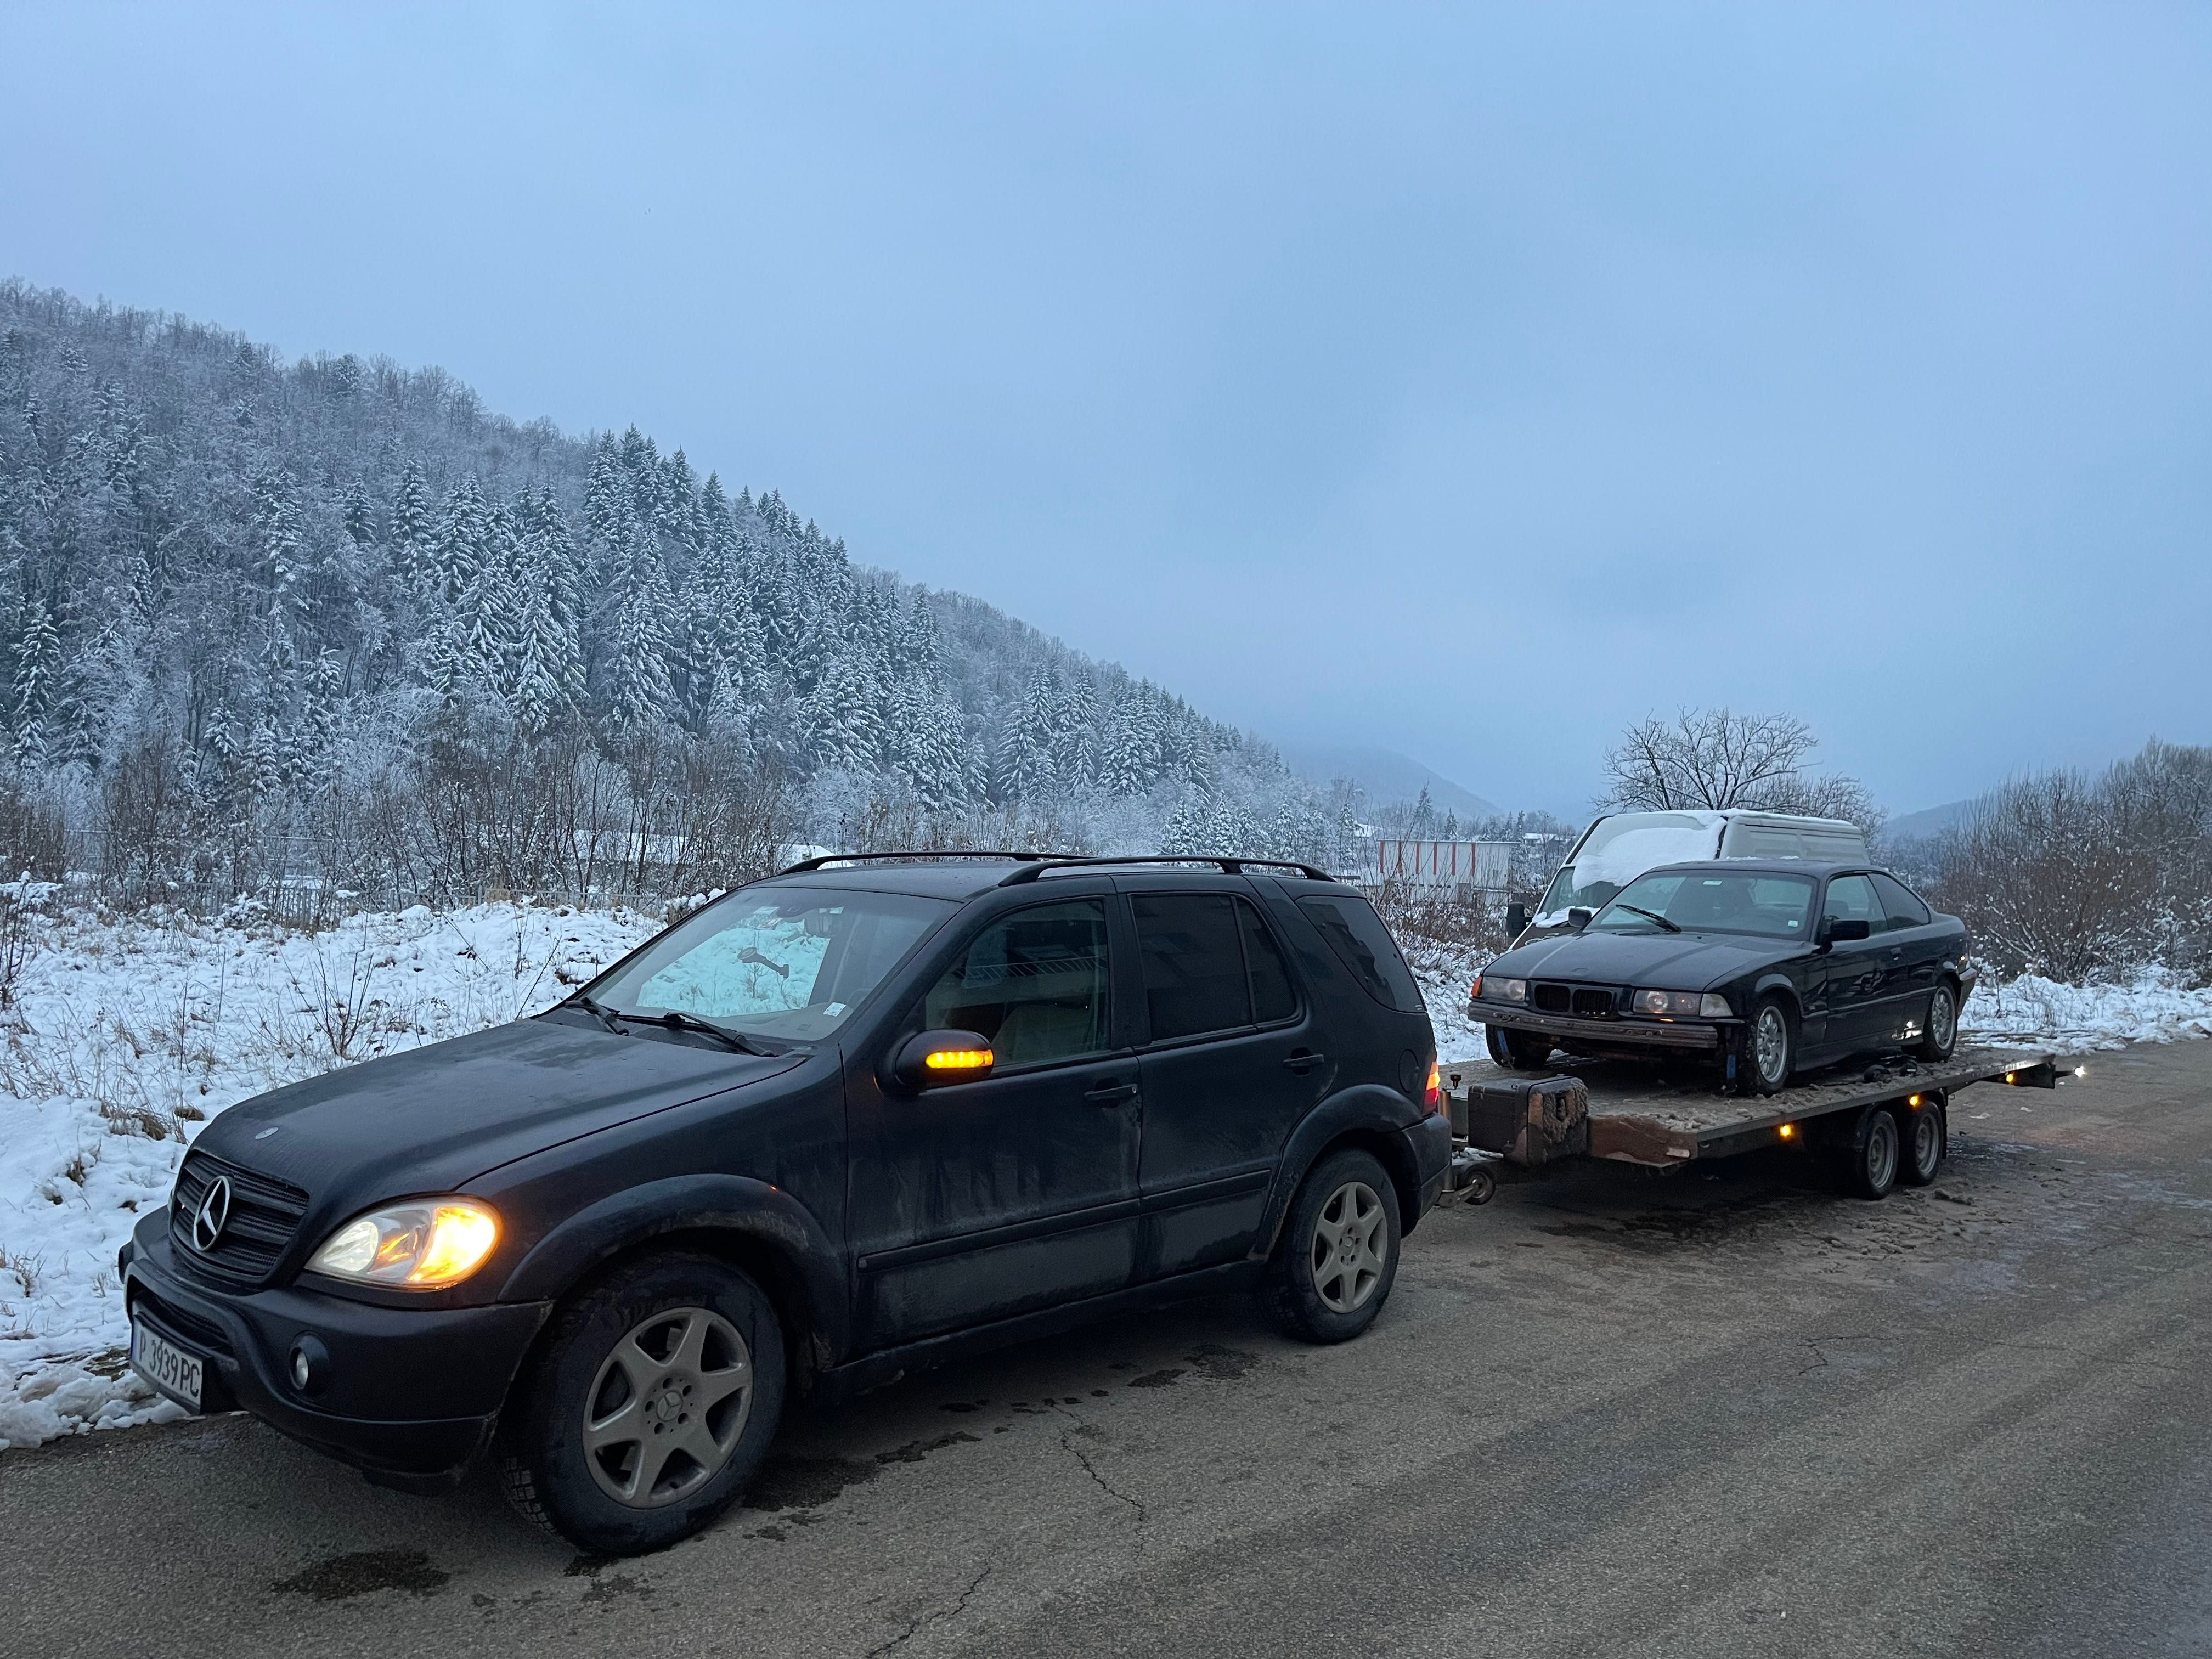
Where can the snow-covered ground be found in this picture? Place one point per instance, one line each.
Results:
(124, 1036)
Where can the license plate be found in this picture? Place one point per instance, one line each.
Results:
(166, 1365)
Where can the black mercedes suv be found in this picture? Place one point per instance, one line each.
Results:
(832, 1127)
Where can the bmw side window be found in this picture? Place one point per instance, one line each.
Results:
(1851, 898)
(1034, 983)
(1359, 939)
(1898, 902)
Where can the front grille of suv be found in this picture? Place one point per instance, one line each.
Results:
(1590, 1001)
(264, 1214)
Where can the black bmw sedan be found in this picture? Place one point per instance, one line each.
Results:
(1766, 968)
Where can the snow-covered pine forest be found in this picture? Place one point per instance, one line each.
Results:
(327, 634)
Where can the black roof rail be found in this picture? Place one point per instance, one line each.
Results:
(1229, 865)
(817, 863)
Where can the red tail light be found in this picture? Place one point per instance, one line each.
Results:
(1432, 1094)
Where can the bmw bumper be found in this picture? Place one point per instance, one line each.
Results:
(1635, 1033)
(409, 1396)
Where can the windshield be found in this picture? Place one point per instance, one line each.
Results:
(1771, 907)
(1564, 894)
(790, 964)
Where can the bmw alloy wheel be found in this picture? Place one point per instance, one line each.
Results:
(1770, 1043)
(1348, 1245)
(665, 1412)
(1942, 1017)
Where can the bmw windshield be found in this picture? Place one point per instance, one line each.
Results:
(1717, 902)
(789, 963)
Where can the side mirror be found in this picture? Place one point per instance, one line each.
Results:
(1579, 918)
(1842, 931)
(1516, 920)
(937, 1058)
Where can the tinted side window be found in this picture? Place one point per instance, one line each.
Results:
(1364, 946)
(1193, 964)
(1851, 898)
(1033, 983)
(1272, 999)
(1764, 841)
(1899, 904)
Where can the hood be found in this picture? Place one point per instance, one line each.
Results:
(1665, 962)
(428, 1119)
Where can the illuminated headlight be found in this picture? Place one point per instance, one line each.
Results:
(1504, 990)
(1680, 1004)
(425, 1244)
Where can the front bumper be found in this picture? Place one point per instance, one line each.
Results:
(411, 1395)
(1707, 1036)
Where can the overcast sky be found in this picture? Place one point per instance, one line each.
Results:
(1466, 382)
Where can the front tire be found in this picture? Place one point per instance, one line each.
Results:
(1766, 1052)
(649, 1405)
(1517, 1051)
(1942, 1027)
(1337, 1256)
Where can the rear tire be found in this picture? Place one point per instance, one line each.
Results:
(1941, 1029)
(1874, 1154)
(1920, 1155)
(1337, 1256)
(1518, 1051)
(648, 1406)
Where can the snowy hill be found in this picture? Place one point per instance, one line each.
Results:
(1386, 777)
(248, 606)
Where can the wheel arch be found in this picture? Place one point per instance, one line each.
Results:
(760, 1230)
(1371, 1117)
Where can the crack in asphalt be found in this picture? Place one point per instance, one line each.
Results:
(942, 1615)
(1067, 1445)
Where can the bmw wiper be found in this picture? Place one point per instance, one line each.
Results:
(1671, 927)
(592, 1005)
(677, 1020)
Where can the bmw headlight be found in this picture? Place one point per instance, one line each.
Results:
(1502, 990)
(1682, 1004)
(424, 1244)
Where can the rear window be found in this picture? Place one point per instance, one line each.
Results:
(1210, 965)
(1364, 946)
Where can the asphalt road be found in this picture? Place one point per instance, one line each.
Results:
(1610, 1413)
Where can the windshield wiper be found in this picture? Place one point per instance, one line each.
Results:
(1671, 927)
(677, 1020)
(592, 1005)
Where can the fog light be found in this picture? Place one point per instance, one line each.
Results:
(311, 1365)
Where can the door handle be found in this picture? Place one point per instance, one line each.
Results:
(1110, 1094)
(1304, 1061)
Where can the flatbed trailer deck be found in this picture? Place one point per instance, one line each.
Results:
(1634, 1113)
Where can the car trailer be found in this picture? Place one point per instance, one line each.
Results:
(1885, 1123)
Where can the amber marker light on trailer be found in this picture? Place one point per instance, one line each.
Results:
(1788, 1131)
(958, 1060)
(1913, 1101)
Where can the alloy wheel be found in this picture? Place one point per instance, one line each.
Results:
(1348, 1246)
(666, 1408)
(1942, 1017)
(1770, 1040)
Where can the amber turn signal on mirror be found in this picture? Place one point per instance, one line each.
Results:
(937, 1058)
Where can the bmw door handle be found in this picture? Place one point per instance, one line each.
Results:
(1110, 1094)
(1304, 1061)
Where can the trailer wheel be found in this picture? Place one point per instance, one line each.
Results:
(1921, 1154)
(1871, 1156)
(1517, 1051)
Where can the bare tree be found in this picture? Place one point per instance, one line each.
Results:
(1711, 759)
